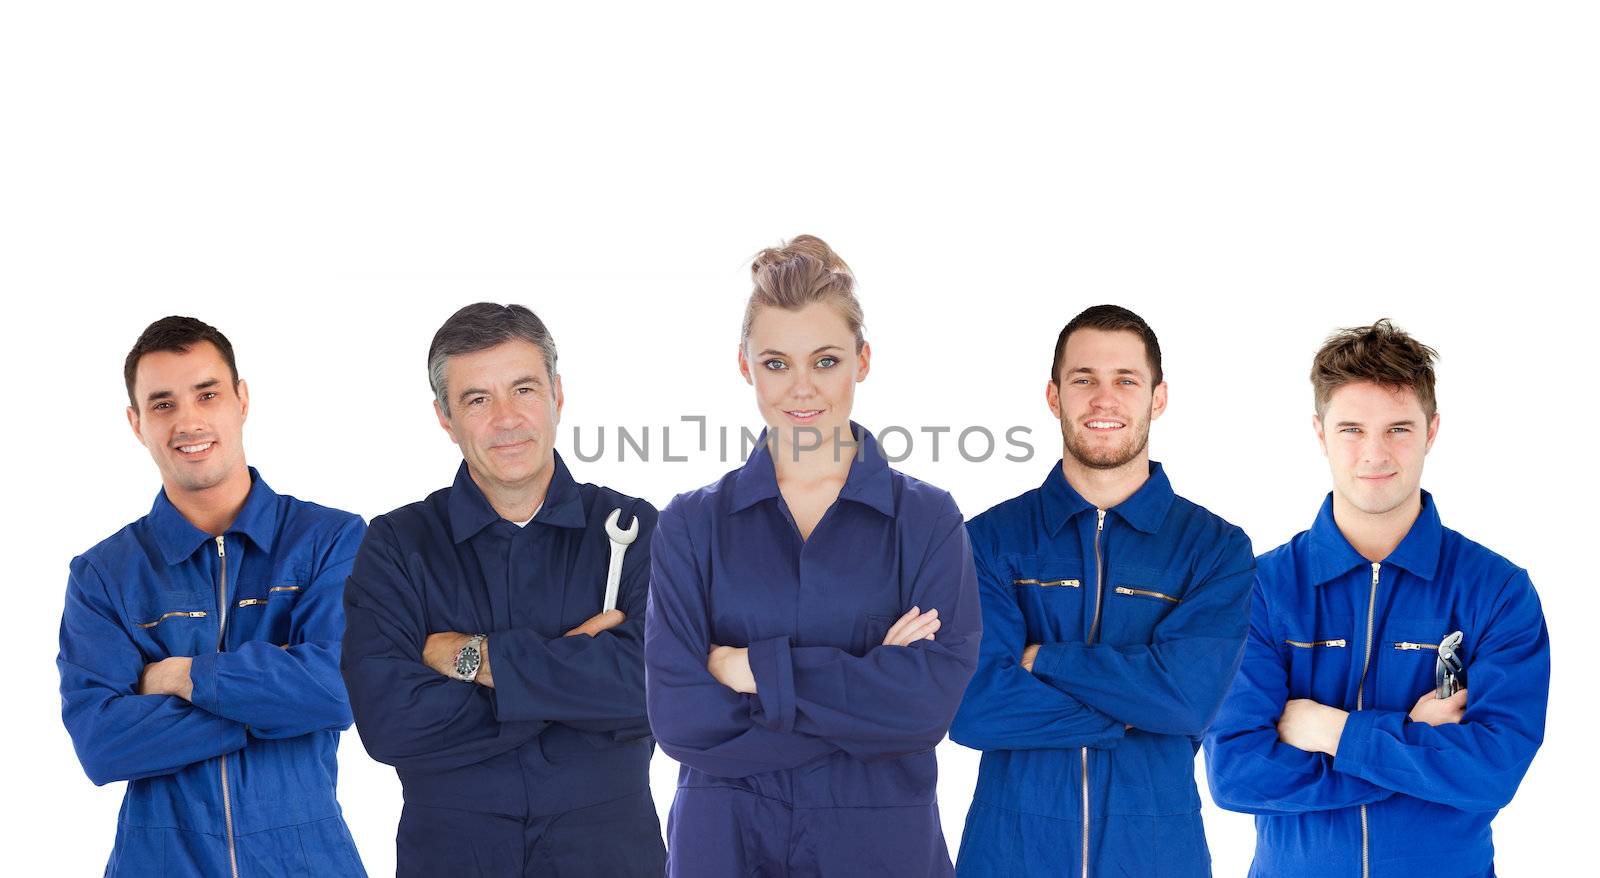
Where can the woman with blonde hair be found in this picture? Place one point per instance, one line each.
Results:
(813, 616)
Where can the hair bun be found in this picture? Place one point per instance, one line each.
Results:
(800, 248)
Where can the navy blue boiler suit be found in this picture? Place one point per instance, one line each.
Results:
(1140, 612)
(546, 773)
(829, 769)
(239, 780)
(1399, 798)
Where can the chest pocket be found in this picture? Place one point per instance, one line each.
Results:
(1135, 600)
(175, 626)
(1406, 655)
(267, 615)
(1050, 590)
(1323, 654)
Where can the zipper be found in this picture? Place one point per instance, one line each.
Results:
(1361, 687)
(222, 627)
(1406, 644)
(1123, 589)
(1307, 644)
(188, 614)
(1094, 626)
(1069, 583)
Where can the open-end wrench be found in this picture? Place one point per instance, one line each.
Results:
(620, 540)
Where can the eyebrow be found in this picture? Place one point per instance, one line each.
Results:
(167, 394)
(1405, 423)
(526, 379)
(1085, 370)
(826, 347)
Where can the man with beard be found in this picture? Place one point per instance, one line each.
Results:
(200, 644)
(1344, 732)
(484, 658)
(1114, 613)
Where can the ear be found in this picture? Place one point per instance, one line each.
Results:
(1433, 432)
(561, 400)
(1052, 398)
(1158, 400)
(1316, 427)
(444, 421)
(744, 367)
(243, 390)
(133, 422)
(863, 362)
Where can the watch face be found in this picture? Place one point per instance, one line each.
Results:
(467, 661)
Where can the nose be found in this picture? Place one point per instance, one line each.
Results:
(504, 415)
(1374, 449)
(804, 387)
(1103, 397)
(189, 420)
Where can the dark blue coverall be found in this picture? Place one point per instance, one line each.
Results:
(546, 773)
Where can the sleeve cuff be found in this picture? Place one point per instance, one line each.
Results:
(1047, 661)
(1355, 742)
(203, 680)
(774, 673)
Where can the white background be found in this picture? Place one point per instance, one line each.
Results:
(327, 182)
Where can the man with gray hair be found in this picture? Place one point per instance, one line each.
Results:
(494, 634)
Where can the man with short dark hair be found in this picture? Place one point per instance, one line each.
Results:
(200, 644)
(1113, 616)
(494, 651)
(1349, 732)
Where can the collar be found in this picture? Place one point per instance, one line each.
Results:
(470, 511)
(869, 481)
(1332, 556)
(178, 539)
(1145, 510)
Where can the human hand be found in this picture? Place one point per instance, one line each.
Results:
(1312, 727)
(170, 676)
(1436, 711)
(912, 627)
(731, 666)
(599, 622)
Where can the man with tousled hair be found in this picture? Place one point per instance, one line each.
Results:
(481, 659)
(200, 644)
(1341, 732)
(1114, 611)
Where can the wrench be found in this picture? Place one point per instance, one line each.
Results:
(620, 540)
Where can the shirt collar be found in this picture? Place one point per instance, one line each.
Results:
(178, 538)
(470, 511)
(869, 481)
(1145, 510)
(1332, 556)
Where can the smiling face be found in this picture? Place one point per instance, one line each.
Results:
(1104, 398)
(504, 410)
(190, 416)
(804, 367)
(1375, 438)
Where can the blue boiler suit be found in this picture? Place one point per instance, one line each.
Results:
(546, 773)
(1140, 612)
(829, 768)
(238, 781)
(1400, 798)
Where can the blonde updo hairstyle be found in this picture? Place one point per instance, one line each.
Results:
(797, 273)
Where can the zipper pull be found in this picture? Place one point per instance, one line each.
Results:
(1374, 571)
(221, 553)
(1099, 520)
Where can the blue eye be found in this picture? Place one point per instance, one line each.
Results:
(827, 362)
(775, 365)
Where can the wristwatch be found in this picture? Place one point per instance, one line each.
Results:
(469, 658)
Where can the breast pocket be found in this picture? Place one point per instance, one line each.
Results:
(175, 626)
(1321, 656)
(1407, 655)
(1050, 591)
(267, 615)
(1134, 602)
